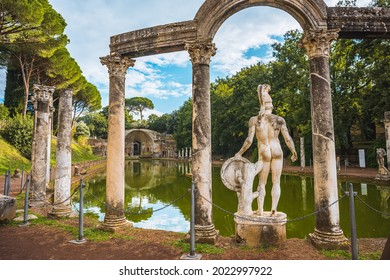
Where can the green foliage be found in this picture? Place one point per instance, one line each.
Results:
(166, 123)
(137, 105)
(97, 124)
(4, 112)
(81, 130)
(201, 248)
(183, 133)
(19, 133)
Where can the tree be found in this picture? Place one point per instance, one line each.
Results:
(32, 44)
(86, 97)
(183, 134)
(97, 124)
(166, 123)
(137, 105)
(17, 17)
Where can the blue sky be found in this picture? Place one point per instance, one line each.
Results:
(243, 40)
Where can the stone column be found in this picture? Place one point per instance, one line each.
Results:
(62, 205)
(115, 184)
(387, 132)
(43, 102)
(327, 232)
(302, 150)
(200, 53)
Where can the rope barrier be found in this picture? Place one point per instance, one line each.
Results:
(288, 221)
(372, 208)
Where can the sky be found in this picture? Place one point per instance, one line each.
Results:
(243, 40)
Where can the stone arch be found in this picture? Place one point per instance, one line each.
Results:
(141, 137)
(311, 14)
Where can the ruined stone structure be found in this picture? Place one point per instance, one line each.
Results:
(321, 25)
(149, 143)
(43, 106)
(62, 204)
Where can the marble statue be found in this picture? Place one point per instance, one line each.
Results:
(380, 158)
(237, 174)
(267, 127)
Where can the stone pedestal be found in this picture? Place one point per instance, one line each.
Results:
(258, 231)
(7, 208)
(329, 240)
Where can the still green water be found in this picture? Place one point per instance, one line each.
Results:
(152, 186)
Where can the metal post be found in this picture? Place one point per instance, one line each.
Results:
(353, 222)
(192, 223)
(7, 183)
(192, 255)
(25, 214)
(81, 239)
(22, 179)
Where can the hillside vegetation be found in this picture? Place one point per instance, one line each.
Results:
(11, 158)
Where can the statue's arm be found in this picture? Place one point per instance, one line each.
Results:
(249, 138)
(289, 141)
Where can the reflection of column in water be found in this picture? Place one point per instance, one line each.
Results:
(363, 188)
(304, 193)
(385, 195)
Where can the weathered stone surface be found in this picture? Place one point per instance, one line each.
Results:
(238, 174)
(154, 40)
(387, 132)
(355, 23)
(267, 127)
(62, 202)
(7, 208)
(115, 182)
(258, 231)
(43, 104)
(200, 53)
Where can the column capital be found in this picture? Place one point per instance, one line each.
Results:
(43, 94)
(116, 64)
(68, 93)
(201, 51)
(317, 42)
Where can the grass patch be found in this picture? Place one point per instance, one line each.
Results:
(11, 158)
(200, 248)
(345, 255)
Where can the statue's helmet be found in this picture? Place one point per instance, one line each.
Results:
(264, 97)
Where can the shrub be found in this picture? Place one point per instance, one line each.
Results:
(18, 131)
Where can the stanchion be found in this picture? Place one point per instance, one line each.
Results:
(25, 214)
(22, 179)
(81, 239)
(7, 183)
(352, 218)
(192, 255)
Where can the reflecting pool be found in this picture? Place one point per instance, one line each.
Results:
(157, 197)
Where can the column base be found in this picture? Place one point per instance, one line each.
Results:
(204, 235)
(61, 212)
(329, 240)
(115, 224)
(257, 231)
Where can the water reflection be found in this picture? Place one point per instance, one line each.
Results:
(153, 185)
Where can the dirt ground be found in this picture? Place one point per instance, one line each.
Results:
(47, 242)
(41, 242)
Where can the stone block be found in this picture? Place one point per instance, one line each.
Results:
(7, 208)
(257, 231)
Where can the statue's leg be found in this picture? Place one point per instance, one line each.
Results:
(276, 167)
(263, 175)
